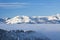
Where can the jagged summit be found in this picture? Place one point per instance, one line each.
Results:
(32, 20)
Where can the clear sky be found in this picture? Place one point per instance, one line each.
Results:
(11, 8)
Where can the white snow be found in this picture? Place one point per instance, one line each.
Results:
(26, 19)
(14, 20)
(52, 18)
(34, 19)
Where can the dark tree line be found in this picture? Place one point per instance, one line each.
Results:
(19, 35)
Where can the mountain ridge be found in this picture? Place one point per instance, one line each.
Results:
(55, 19)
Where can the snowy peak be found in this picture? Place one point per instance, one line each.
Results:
(18, 19)
(52, 18)
(25, 19)
(32, 20)
(14, 20)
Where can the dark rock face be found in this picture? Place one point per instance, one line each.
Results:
(20, 35)
(2, 20)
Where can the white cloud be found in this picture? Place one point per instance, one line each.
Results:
(12, 5)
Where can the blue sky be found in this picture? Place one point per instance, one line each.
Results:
(11, 8)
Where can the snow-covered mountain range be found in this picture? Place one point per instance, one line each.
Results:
(54, 19)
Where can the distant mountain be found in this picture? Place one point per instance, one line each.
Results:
(54, 19)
